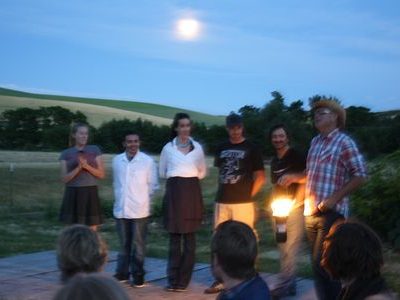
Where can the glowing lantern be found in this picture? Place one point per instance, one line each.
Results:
(280, 210)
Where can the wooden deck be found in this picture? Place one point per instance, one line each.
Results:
(35, 276)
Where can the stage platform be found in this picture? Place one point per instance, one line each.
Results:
(35, 276)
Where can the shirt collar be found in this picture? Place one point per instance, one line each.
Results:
(330, 136)
(233, 292)
(175, 138)
(137, 157)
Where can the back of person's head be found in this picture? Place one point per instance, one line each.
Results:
(234, 245)
(91, 287)
(352, 250)
(80, 249)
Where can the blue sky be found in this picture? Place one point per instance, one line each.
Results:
(246, 49)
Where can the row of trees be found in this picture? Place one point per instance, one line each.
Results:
(47, 128)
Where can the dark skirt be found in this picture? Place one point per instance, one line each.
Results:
(81, 205)
(182, 205)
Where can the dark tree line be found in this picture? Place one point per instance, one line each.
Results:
(47, 128)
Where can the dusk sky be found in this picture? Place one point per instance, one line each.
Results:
(241, 51)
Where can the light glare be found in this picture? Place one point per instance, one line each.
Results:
(281, 207)
(188, 29)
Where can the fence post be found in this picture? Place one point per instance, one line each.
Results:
(12, 170)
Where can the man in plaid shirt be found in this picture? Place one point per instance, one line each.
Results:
(335, 169)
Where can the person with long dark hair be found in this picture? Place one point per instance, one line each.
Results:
(81, 166)
(353, 254)
(182, 162)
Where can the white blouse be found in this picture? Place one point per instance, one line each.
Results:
(174, 163)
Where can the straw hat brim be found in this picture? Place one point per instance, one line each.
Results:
(335, 107)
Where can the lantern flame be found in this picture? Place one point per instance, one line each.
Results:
(281, 207)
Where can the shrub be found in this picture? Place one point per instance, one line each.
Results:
(378, 202)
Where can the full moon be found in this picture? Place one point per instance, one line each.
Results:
(188, 29)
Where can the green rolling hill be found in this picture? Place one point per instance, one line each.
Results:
(162, 113)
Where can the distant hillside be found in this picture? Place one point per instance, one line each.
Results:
(389, 113)
(162, 113)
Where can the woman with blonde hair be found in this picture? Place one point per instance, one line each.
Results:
(92, 287)
(80, 250)
(81, 166)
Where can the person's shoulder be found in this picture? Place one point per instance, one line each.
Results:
(257, 289)
(118, 157)
(251, 144)
(195, 143)
(296, 152)
(66, 152)
(93, 148)
(146, 157)
(167, 146)
(346, 141)
(224, 144)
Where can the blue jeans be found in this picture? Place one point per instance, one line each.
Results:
(289, 250)
(317, 228)
(131, 232)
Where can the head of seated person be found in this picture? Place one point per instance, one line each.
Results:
(234, 252)
(80, 249)
(91, 287)
(352, 253)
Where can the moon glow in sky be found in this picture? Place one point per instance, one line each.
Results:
(188, 29)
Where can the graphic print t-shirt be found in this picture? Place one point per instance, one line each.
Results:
(236, 163)
(292, 162)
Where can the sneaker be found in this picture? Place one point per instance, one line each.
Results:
(138, 281)
(170, 288)
(180, 289)
(216, 287)
(121, 278)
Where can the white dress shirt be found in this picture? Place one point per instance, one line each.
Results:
(134, 181)
(174, 163)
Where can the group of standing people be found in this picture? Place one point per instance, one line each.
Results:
(319, 183)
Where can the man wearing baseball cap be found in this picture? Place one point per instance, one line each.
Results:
(335, 168)
(241, 176)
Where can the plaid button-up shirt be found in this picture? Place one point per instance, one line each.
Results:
(332, 160)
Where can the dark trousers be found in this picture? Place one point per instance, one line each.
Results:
(317, 228)
(131, 232)
(181, 258)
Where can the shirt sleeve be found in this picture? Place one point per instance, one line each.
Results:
(300, 161)
(162, 168)
(274, 178)
(96, 150)
(63, 155)
(153, 178)
(352, 159)
(217, 160)
(258, 163)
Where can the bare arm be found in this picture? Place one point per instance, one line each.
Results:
(259, 180)
(353, 184)
(202, 166)
(290, 178)
(98, 171)
(68, 176)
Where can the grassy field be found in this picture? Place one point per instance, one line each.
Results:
(96, 114)
(30, 198)
(8, 100)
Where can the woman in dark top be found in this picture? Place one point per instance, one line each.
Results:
(182, 162)
(81, 166)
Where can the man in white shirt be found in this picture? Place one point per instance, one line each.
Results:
(134, 181)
